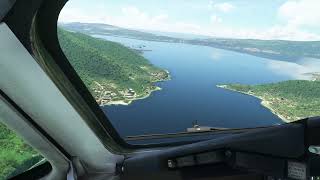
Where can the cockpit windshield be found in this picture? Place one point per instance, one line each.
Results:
(158, 67)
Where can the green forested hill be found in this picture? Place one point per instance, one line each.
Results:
(107, 68)
(291, 100)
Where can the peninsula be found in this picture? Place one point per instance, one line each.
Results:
(113, 73)
(289, 100)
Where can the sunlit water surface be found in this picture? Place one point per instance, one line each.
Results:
(191, 94)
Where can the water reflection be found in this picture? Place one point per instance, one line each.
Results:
(216, 55)
(303, 69)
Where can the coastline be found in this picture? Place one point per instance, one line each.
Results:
(140, 96)
(128, 102)
(265, 103)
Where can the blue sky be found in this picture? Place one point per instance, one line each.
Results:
(259, 19)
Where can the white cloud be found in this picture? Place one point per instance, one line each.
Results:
(131, 17)
(135, 18)
(215, 19)
(186, 27)
(223, 7)
(296, 16)
(160, 18)
(76, 15)
(276, 32)
(299, 13)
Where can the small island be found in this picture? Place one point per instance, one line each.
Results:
(289, 100)
(113, 73)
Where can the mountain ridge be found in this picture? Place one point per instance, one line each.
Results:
(283, 50)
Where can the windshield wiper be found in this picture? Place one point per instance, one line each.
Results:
(197, 132)
(197, 128)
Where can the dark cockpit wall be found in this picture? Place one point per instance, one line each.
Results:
(5, 7)
(44, 105)
(33, 104)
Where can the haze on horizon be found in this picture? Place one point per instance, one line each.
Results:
(279, 19)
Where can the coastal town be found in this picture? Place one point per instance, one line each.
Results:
(109, 94)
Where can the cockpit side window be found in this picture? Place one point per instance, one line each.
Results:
(16, 156)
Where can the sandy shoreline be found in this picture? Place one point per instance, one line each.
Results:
(264, 102)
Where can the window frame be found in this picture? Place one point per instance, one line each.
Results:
(46, 23)
(47, 167)
(37, 172)
(46, 49)
(58, 68)
(40, 19)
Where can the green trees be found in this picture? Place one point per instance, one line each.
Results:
(293, 100)
(15, 155)
(114, 66)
